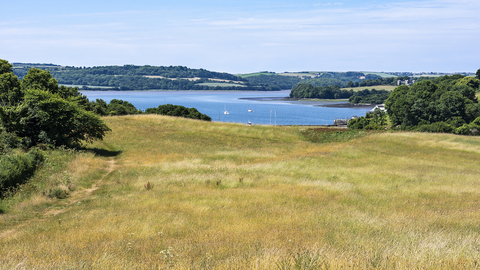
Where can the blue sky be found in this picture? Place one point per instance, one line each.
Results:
(246, 36)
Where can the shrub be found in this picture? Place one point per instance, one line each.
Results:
(17, 169)
(471, 129)
(178, 110)
(438, 127)
(8, 141)
(57, 192)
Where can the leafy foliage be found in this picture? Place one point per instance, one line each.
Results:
(426, 102)
(37, 110)
(447, 104)
(372, 121)
(369, 96)
(15, 169)
(115, 107)
(131, 77)
(177, 110)
(324, 92)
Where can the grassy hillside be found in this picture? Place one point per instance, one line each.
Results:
(169, 192)
(381, 74)
(255, 74)
(377, 87)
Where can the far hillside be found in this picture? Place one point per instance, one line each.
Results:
(131, 77)
(288, 80)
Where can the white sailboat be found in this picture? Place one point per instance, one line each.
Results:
(226, 112)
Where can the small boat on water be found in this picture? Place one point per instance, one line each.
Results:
(250, 110)
(226, 112)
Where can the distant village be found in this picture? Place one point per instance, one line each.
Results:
(405, 82)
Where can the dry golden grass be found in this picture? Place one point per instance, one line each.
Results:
(226, 196)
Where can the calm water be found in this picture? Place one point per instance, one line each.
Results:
(237, 103)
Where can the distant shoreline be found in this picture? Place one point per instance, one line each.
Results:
(348, 105)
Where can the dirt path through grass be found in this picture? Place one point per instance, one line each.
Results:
(81, 194)
(65, 204)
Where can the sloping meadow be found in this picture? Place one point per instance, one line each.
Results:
(188, 194)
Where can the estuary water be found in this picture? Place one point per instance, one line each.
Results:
(257, 107)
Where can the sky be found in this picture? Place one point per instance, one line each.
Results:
(246, 36)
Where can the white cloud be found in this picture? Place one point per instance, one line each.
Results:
(322, 37)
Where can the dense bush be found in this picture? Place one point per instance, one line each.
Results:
(369, 96)
(437, 127)
(429, 102)
(16, 169)
(177, 110)
(469, 129)
(115, 107)
(324, 92)
(371, 121)
(8, 141)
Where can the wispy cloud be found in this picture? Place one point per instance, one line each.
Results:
(233, 39)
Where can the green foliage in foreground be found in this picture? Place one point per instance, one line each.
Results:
(177, 110)
(37, 110)
(15, 169)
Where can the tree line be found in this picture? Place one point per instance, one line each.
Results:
(334, 92)
(446, 104)
(131, 77)
(319, 92)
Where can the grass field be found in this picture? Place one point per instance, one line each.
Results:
(165, 192)
(222, 84)
(381, 74)
(377, 87)
(255, 74)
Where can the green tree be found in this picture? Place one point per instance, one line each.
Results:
(37, 110)
(44, 117)
(99, 106)
(434, 107)
(469, 81)
(5, 67)
(180, 111)
(477, 75)
(398, 105)
(39, 79)
(10, 92)
(121, 107)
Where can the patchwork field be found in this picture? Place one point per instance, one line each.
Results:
(164, 192)
(222, 84)
(376, 87)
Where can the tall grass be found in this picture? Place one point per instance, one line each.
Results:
(226, 196)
